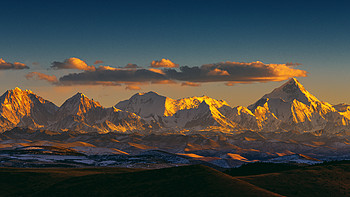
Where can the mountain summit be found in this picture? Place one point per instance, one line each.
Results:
(292, 107)
(292, 90)
(24, 108)
(80, 113)
(187, 112)
(77, 105)
(146, 105)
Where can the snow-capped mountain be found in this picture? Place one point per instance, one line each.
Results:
(79, 113)
(292, 107)
(242, 117)
(23, 108)
(147, 105)
(191, 112)
(202, 116)
(287, 108)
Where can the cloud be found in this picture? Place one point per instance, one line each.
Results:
(41, 76)
(291, 64)
(98, 62)
(107, 68)
(89, 83)
(235, 72)
(117, 76)
(131, 66)
(230, 83)
(164, 63)
(228, 72)
(217, 71)
(164, 82)
(132, 87)
(14, 66)
(187, 83)
(156, 71)
(53, 79)
(73, 63)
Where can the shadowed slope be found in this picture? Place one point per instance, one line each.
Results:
(329, 179)
(321, 180)
(31, 181)
(179, 181)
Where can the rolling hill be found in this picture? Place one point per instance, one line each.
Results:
(329, 179)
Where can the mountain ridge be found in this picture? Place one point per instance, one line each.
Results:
(289, 107)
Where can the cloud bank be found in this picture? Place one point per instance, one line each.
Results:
(235, 71)
(229, 72)
(166, 72)
(117, 76)
(14, 66)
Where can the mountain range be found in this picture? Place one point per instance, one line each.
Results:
(287, 108)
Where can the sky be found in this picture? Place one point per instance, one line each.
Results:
(231, 50)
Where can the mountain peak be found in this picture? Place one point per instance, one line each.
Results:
(79, 95)
(291, 90)
(147, 93)
(81, 99)
(24, 107)
(78, 104)
(144, 104)
(287, 93)
(293, 82)
(17, 89)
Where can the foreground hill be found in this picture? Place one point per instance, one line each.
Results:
(329, 179)
(178, 181)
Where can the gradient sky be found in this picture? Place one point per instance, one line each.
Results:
(313, 33)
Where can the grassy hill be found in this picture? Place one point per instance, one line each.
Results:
(196, 180)
(30, 181)
(329, 179)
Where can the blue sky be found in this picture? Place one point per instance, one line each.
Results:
(190, 33)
